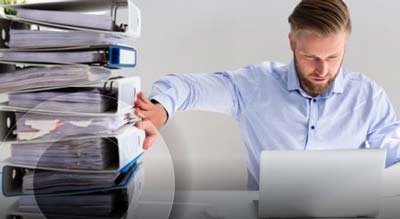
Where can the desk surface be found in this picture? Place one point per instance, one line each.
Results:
(240, 204)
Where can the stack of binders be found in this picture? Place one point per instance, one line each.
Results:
(70, 124)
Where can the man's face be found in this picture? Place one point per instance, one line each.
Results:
(317, 59)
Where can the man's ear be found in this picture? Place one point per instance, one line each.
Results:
(292, 41)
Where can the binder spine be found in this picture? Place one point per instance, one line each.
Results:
(121, 57)
(4, 39)
(7, 127)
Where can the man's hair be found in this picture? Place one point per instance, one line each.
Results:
(321, 16)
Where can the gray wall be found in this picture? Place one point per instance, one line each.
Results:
(190, 36)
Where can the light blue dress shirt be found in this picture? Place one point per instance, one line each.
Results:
(274, 113)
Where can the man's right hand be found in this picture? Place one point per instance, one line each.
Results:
(153, 117)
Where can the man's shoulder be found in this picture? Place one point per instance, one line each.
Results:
(271, 66)
(258, 77)
(268, 69)
(362, 82)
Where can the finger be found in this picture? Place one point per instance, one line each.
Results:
(142, 105)
(141, 96)
(147, 126)
(140, 125)
(148, 141)
(140, 113)
(151, 132)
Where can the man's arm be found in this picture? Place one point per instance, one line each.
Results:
(385, 130)
(221, 92)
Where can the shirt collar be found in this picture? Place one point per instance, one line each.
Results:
(293, 81)
(294, 84)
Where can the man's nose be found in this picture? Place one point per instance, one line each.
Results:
(322, 68)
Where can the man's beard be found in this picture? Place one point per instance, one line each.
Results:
(310, 87)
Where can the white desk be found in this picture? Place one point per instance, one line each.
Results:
(239, 204)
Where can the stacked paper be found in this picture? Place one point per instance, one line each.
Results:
(85, 99)
(103, 22)
(78, 57)
(40, 77)
(32, 126)
(89, 154)
(63, 38)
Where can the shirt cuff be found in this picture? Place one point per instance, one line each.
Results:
(166, 112)
(164, 102)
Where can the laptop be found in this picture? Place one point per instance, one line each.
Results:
(321, 183)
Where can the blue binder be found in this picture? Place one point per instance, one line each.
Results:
(126, 175)
(121, 57)
(109, 56)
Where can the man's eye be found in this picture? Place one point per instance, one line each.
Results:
(310, 57)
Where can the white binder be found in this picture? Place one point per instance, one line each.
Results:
(122, 90)
(44, 37)
(130, 197)
(134, 14)
(42, 76)
(128, 142)
(13, 175)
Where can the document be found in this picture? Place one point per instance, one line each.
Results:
(100, 204)
(78, 154)
(52, 181)
(62, 57)
(32, 126)
(63, 38)
(22, 181)
(83, 205)
(47, 77)
(114, 96)
(69, 18)
(77, 99)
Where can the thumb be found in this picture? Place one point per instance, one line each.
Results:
(148, 141)
(142, 97)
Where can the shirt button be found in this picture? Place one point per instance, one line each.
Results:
(312, 127)
(314, 100)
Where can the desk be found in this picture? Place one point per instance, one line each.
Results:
(239, 204)
(157, 194)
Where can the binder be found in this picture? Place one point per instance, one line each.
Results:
(42, 37)
(12, 179)
(131, 29)
(109, 56)
(31, 126)
(114, 96)
(50, 77)
(125, 147)
(93, 21)
(127, 200)
(8, 125)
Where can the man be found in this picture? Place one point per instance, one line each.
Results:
(311, 103)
